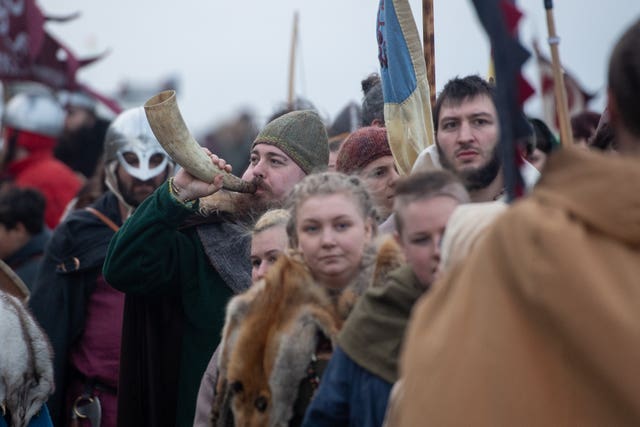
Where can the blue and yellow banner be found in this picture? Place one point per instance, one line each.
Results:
(407, 106)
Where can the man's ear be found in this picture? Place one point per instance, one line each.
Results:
(378, 123)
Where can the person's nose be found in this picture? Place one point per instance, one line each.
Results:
(262, 270)
(437, 248)
(259, 170)
(465, 133)
(327, 237)
(393, 177)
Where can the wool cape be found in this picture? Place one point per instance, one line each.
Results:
(372, 336)
(541, 324)
(178, 282)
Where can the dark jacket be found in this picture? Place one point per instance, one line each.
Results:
(169, 273)
(25, 261)
(355, 388)
(349, 395)
(67, 277)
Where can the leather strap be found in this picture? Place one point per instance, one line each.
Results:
(112, 225)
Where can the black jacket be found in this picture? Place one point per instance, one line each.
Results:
(67, 276)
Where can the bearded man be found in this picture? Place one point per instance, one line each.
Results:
(79, 311)
(467, 139)
(467, 135)
(156, 255)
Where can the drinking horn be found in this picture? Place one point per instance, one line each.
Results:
(171, 131)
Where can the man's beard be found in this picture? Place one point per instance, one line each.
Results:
(249, 207)
(130, 197)
(475, 179)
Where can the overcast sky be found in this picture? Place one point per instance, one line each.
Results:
(234, 54)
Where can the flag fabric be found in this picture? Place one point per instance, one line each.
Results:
(500, 20)
(21, 37)
(403, 72)
(29, 53)
(577, 98)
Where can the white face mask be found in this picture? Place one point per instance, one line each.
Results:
(144, 171)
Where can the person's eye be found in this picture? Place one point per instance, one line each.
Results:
(276, 162)
(380, 172)
(272, 259)
(131, 158)
(481, 122)
(156, 160)
(309, 228)
(341, 226)
(255, 263)
(254, 159)
(422, 240)
(449, 125)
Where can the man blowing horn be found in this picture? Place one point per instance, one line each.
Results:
(171, 272)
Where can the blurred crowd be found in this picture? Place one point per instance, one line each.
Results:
(333, 290)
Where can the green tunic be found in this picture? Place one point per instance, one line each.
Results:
(151, 256)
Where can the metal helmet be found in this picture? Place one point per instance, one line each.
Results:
(39, 113)
(78, 99)
(130, 132)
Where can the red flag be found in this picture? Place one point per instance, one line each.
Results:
(577, 97)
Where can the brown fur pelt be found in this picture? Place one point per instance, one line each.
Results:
(388, 258)
(271, 334)
(269, 338)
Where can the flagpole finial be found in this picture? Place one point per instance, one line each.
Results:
(548, 4)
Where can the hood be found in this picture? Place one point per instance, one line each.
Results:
(600, 189)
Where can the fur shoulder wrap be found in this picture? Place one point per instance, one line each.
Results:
(271, 336)
(26, 369)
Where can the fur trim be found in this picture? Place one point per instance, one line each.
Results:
(296, 350)
(26, 369)
(271, 335)
(379, 259)
(268, 339)
(388, 258)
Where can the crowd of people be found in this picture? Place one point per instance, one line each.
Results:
(338, 293)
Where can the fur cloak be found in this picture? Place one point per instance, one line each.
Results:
(271, 338)
(26, 369)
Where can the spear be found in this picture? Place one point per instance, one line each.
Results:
(429, 47)
(292, 61)
(562, 106)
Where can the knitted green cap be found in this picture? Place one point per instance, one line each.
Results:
(302, 136)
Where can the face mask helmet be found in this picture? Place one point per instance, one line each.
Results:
(128, 134)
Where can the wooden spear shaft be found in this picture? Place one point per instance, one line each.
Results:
(562, 106)
(292, 62)
(429, 47)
